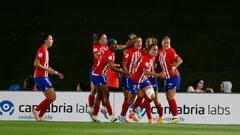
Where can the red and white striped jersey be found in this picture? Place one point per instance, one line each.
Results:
(131, 57)
(96, 48)
(43, 56)
(155, 61)
(145, 62)
(102, 64)
(166, 59)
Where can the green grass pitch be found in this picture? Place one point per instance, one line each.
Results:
(89, 128)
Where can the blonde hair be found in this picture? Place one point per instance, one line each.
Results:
(166, 37)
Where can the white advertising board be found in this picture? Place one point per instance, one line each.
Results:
(73, 106)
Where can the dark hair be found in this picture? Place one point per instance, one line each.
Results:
(43, 37)
(97, 37)
(112, 41)
(150, 46)
(195, 84)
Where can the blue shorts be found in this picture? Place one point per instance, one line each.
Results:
(135, 87)
(172, 83)
(90, 75)
(43, 83)
(154, 83)
(124, 82)
(99, 80)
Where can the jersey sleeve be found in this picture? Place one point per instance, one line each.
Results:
(146, 63)
(110, 57)
(125, 56)
(173, 55)
(41, 54)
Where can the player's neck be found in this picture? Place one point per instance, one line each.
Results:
(45, 46)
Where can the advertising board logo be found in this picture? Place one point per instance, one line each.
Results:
(6, 106)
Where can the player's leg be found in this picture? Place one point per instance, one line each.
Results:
(50, 95)
(96, 106)
(136, 104)
(105, 92)
(91, 97)
(159, 107)
(149, 92)
(43, 84)
(170, 93)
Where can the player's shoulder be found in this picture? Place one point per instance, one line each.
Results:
(171, 50)
(41, 49)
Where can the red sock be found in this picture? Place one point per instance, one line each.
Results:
(160, 111)
(48, 101)
(148, 111)
(125, 107)
(42, 104)
(145, 102)
(173, 107)
(103, 103)
(137, 103)
(91, 99)
(96, 109)
(109, 109)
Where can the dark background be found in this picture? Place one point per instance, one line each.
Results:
(204, 34)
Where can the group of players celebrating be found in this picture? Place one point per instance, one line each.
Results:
(138, 76)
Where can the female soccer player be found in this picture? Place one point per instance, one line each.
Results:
(139, 81)
(169, 61)
(42, 69)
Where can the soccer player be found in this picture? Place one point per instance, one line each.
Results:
(154, 83)
(139, 80)
(100, 80)
(42, 69)
(130, 58)
(98, 48)
(170, 61)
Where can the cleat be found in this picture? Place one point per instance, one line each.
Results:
(112, 118)
(150, 121)
(133, 117)
(139, 112)
(95, 119)
(160, 120)
(35, 115)
(174, 121)
(123, 119)
(104, 112)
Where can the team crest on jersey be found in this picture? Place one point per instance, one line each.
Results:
(40, 55)
(146, 64)
(110, 57)
(126, 54)
(95, 49)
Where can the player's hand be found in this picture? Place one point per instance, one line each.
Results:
(60, 75)
(172, 70)
(126, 72)
(161, 75)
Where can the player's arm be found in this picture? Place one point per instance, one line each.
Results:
(178, 62)
(60, 75)
(113, 68)
(48, 69)
(98, 55)
(146, 72)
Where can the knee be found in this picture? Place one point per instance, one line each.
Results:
(53, 97)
